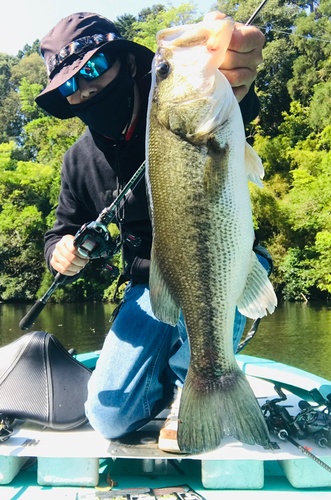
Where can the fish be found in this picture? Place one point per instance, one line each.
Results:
(198, 164)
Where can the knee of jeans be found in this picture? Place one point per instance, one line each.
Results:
(112, 422)
(108, 421)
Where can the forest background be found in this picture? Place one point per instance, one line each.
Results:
(292, 135)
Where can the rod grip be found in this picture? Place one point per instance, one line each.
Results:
(32, 315)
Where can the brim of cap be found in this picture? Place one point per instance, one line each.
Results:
(54, 103)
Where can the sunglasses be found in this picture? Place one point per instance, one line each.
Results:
(93, 68)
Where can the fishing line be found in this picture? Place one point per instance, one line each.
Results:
(308, 37)
(254, 15)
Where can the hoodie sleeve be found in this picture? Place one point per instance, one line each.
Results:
(250, 106)
(72, 211)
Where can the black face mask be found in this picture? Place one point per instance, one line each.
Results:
(110, 111)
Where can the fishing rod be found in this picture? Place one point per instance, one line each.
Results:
(92, 240)
(253, 16)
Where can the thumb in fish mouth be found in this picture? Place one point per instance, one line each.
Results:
(220, 29)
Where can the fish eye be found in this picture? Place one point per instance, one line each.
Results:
(162, 69)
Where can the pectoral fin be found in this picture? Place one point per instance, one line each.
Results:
(258, 295)
(163, 304)
(253, 166)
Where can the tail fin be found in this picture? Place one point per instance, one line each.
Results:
(211, 408)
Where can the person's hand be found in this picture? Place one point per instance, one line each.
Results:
(242, 58)
(66, 259)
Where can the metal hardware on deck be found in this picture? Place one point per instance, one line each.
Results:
(310, 422)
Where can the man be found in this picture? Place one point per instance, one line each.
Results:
(103, 79)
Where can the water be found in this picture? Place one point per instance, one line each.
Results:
(296, 334)
(81, 326)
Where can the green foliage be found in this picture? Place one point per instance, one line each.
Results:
(28, 195)
(47, 139)
(301, 216)
(271, 82)
(296, 124)
(28, 93)
(159, 19)
(6, 160)
(11, 121)
(92, 285)
(125, 25)
(32, 68)
(21, 246)
(297, 274)
(292, 135)
(150, 12)
(29, 49)
(30, 71)
(322, 264)
(320, 108)
(6, 64)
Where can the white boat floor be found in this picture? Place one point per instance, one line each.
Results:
(31, 440)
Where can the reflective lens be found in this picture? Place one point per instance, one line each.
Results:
(69, 87)
(94, 67)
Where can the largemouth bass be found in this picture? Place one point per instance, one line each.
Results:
(202, 260)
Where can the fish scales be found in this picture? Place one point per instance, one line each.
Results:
(202, 261)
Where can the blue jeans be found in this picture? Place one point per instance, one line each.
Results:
(141, 361)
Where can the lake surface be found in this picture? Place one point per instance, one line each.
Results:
(297, 334)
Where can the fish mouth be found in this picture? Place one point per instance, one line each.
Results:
(213, 33)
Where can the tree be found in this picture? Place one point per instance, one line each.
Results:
(10, 121)
(27, 93)
(320, 107)
(125, 25)
(28, 71)
(271, 83)
(6, 160)
(29, 49)
(47, 138)
(24, 202)
(6, 64)
(150, 12)
(297, 274)
(10, 117)
(311, 67)
(161, 19)
(32, 68)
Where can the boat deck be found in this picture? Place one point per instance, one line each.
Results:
(75, 465)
